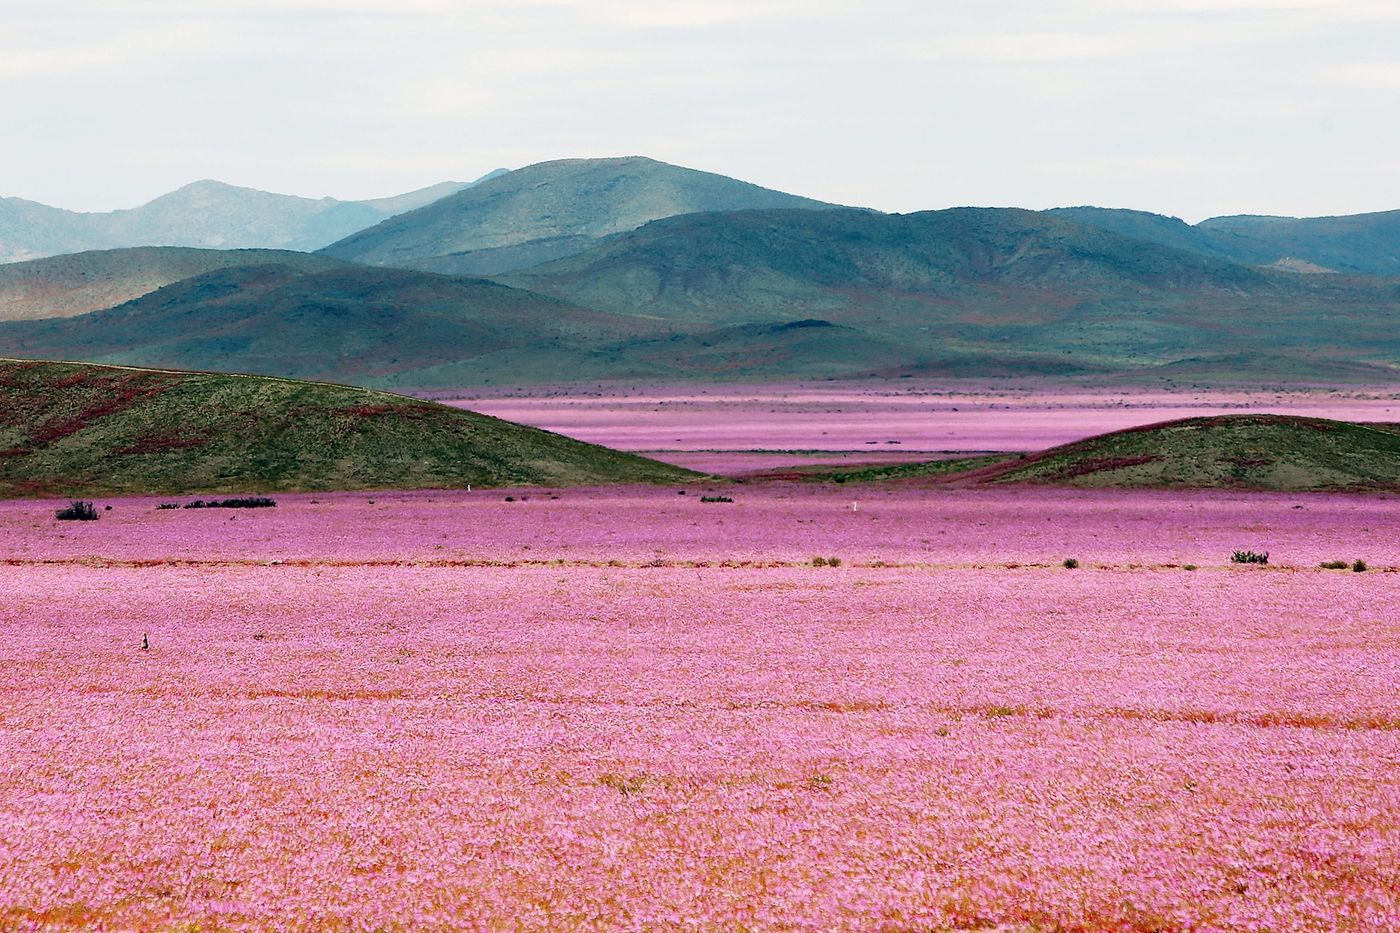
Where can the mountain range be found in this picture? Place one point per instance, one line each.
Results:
(205, 213)
(630, 268)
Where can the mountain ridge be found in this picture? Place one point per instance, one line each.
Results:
(204, 214)
(554, 201)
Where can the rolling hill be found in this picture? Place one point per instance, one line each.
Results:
(1360, 244)
(208, 214)
(352, 323)
(1246, 451)
(548, 210)
(64, 286)
(973, 283)
(84, 430)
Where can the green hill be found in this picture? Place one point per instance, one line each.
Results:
(64, 286)
(1253, 451)
(566, 204)
(973, 283)
(1278, 452)
(1360, 244)
(82, 430)
(350, 324)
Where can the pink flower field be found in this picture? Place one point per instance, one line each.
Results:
(626, 709)
(875, 420)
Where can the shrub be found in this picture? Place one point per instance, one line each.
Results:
(715, 499)
(818, 561)
(1250, 557)
(167, 505)
(1359, 566)
(1071, 563)
(1333, 565)
(251, 502)
(1189, 567)
(77, 512)
(833, 562)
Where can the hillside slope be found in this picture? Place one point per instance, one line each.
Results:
(1278, 452)
(1359, 244)
(568, 203)
(977, 283)
(83, 430)
(353, 323)
(64, 286)
(1248, 451)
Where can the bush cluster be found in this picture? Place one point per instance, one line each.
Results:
(251, 502)
(77, 512)
(715, 499)
(1249, 557)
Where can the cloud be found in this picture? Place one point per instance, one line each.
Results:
(1381, 76)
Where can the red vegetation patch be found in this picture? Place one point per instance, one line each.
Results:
(379, 411)
(1102, 464)
(157, 443)
(110, 397)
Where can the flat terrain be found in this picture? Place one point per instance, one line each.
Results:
(884, 421)
(628, 707)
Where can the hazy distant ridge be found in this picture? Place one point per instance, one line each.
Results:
(207, 214)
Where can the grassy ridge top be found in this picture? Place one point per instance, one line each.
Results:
(1285, 453)
(76, 429)
(1279, 452)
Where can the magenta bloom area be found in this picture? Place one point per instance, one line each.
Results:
(873, 420)
(629, 709)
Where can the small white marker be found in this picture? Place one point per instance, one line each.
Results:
(855, 506)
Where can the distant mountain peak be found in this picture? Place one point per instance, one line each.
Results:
(568, 203)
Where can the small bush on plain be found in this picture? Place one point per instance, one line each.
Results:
(248, 502)
(1359, 566)
(1250, 557)
(77, 512)
(1333, 565)
(1071, 563)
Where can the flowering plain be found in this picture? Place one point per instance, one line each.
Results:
(628, 709)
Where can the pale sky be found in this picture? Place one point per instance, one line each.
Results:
(1184, 107)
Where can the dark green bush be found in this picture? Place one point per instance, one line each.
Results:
(77, 512)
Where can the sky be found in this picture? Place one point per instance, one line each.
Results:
(1191, 108)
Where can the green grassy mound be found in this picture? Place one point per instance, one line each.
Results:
(75, 429)
(1271, 452)
(1277, 452)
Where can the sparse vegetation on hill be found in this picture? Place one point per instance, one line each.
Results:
(1278, 452)
(76, 429)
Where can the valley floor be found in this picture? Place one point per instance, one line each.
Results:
(626, 708)
(739, 428)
